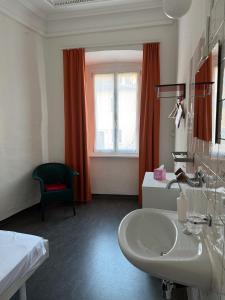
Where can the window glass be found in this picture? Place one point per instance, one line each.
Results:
(116, 108)
(104, 112)
(127, 112)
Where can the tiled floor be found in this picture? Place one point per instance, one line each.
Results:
(85, 259)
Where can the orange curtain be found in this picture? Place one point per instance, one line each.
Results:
(75, 109)
(203, 105)
(150, 113)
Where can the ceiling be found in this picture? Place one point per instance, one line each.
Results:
(65, 17)
(61, 3)
(47, 7)
(54, 7)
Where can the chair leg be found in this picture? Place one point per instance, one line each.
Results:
(42, 211)
(74, 209)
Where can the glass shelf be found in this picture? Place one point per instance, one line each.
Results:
(171, 91)
(182, 157)
(202, 89)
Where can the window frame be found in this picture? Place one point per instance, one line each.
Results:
(116, 69)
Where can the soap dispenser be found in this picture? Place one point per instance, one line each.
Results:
(182, 208)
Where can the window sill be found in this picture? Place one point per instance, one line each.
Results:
(111, 155)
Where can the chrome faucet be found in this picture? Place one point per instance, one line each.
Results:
(199, 220)
(199, 179)
(170, 183)
(196, 181)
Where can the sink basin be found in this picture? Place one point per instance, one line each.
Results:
(153, 241)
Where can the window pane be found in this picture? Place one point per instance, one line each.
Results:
(104, 112)
(127, 87)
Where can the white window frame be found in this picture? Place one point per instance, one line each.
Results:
(116, 69)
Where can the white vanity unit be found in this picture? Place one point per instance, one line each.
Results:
(156, 195)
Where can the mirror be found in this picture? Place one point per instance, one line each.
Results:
(207, 113)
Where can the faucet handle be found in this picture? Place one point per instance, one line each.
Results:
(178, 171)
(200, 175)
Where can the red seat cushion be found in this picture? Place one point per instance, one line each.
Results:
(55, 187)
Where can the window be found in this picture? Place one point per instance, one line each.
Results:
(116, 108)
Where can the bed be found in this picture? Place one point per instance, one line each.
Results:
(20, 256)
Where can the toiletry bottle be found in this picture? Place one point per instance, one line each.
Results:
(182, 208)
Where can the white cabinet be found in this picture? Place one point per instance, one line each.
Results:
(156, 195)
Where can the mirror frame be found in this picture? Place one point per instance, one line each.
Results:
(217, 121)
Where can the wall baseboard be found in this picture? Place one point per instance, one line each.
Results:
(115, 197)
(7, 220)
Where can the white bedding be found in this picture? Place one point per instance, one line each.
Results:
(19, 253)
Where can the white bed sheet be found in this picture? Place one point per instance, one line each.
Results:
(19, 253)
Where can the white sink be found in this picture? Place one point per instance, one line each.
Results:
(153, 241)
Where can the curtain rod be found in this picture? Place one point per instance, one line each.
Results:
(127, 46)
(122, 47)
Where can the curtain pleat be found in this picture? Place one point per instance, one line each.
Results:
(75, 112)
(150, 113)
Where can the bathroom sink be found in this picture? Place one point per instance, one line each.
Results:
(153, 241)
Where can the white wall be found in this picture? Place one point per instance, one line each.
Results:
(114, 175)
(120, 174)
(190, 30)
(23, 116)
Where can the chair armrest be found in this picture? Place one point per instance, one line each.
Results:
(35, 177)
(41, 181)
(75, 173)
(72, 174)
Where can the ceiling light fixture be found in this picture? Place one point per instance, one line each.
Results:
(175, 9)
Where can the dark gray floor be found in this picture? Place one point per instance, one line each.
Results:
(85, 259)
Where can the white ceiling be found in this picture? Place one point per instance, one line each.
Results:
(50, 19)
(112, 56)
(54, 7)
(61, 3)
(47, 7)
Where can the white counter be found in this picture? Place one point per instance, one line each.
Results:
(155, 194)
